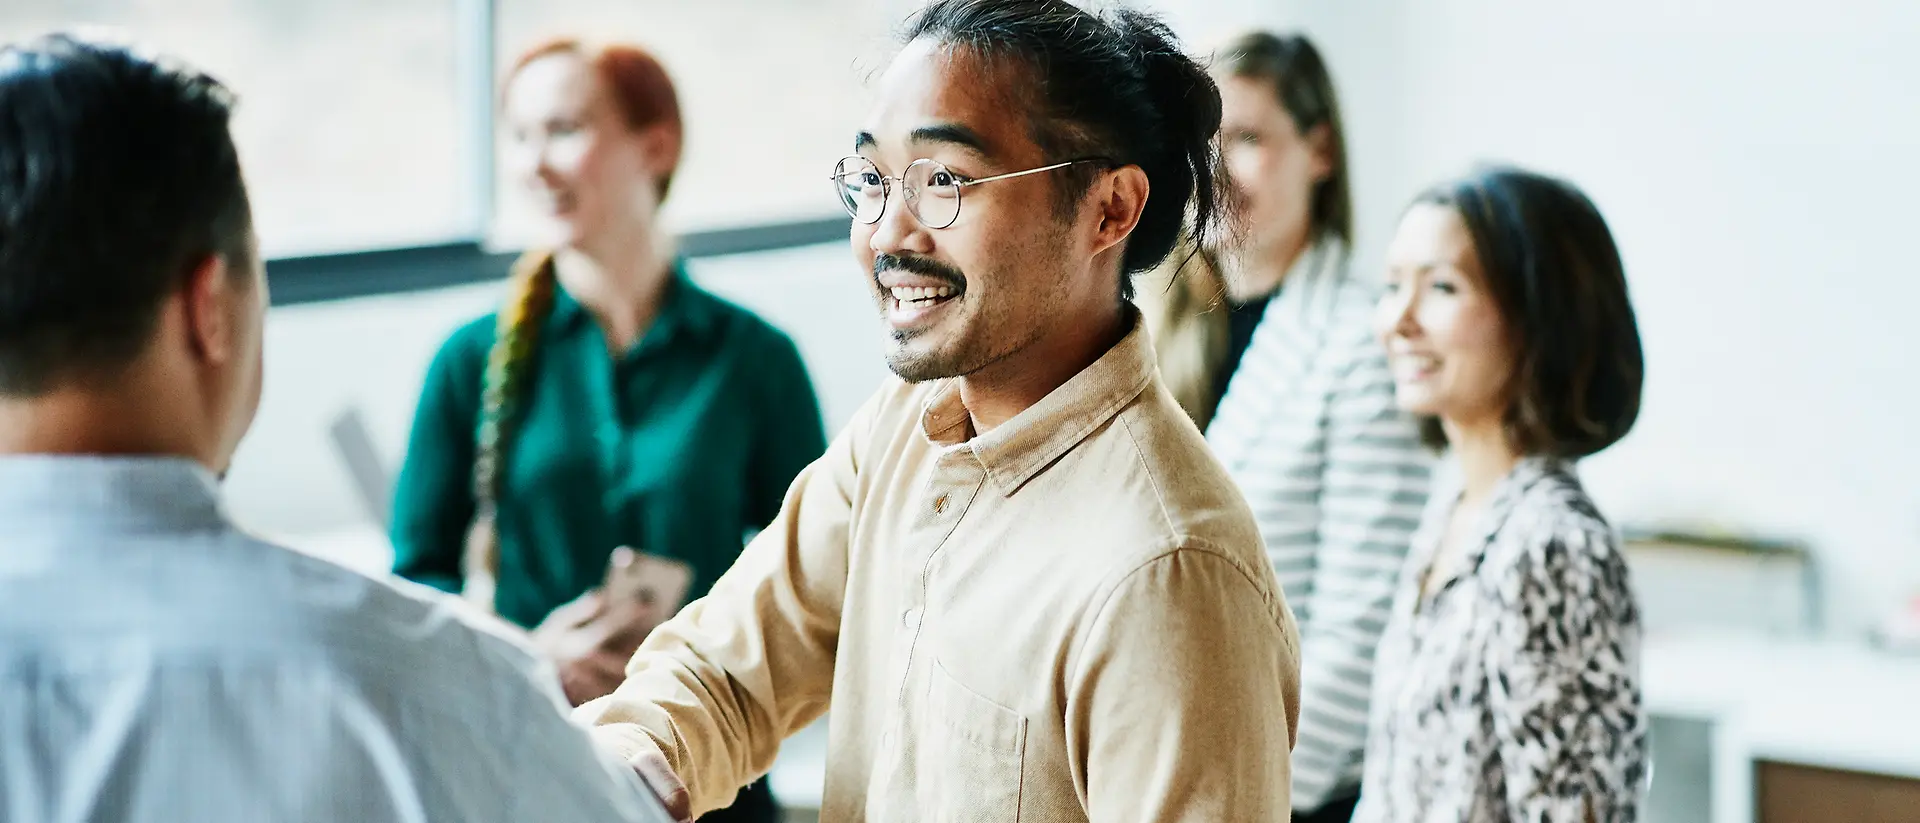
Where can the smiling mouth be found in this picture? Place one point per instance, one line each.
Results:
(1415, 365)
(921, 297)
(911, 309)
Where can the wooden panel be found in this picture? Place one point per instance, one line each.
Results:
(1790, 793)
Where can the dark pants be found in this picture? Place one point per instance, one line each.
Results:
(1338, 811)
(754, 804)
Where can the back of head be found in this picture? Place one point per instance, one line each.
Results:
(117, 176)
(1114, 86)
(1551, 264)
(1291, 65)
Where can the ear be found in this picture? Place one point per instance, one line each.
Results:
(1320, 143)
(208, 298)
(660, 147)
(1122, 196)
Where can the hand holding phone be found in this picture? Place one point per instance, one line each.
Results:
(655, 583)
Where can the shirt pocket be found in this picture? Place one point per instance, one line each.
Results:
(975, 750)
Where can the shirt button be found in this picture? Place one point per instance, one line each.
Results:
(940, 504)
(910, 619)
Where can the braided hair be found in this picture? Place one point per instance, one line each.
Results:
(530, 296)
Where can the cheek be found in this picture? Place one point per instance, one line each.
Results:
(1243, 163)
(861, 241)
(522, 160)
(576, 158)
(1476, 340)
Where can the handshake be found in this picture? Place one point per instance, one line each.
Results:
(591, 640)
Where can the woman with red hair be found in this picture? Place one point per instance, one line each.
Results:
(612, 414)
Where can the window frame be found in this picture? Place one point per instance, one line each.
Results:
(468, 258)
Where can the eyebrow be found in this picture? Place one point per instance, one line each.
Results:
(952, 134)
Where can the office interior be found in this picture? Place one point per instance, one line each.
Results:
(1757, 162)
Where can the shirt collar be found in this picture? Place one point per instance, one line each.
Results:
(1019, 449)
(164, 493)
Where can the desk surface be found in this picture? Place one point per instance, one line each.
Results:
(1819, 703)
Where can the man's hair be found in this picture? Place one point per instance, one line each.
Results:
(118, 175)
(1114, 86)
(1553, 269)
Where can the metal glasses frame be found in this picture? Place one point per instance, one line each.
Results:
(960, 184)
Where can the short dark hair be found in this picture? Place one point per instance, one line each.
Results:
(117, 175)
(1292, 67)
(1555, 274)
(1115, 86)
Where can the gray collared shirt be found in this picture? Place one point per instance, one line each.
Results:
(157, 664)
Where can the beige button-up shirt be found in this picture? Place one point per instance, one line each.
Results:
(1069, 617)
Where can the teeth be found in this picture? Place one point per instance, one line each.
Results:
(910, 295)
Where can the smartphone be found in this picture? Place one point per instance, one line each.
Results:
(649, 579)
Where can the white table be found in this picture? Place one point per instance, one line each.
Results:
(1817, 703)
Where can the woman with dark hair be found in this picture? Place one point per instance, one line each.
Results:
(1508, 684)
(1268, 344)
(612, 416)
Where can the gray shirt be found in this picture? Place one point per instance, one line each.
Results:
(156, 664)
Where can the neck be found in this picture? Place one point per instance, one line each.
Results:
(1258, 272)
(619, 283)
(123, 423)
(1485, 455)
(995, 394)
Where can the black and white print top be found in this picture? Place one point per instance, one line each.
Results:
(1512, 692)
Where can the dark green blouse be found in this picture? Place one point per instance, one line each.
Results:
(680, 447)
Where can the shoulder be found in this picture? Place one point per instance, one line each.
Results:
(465, 349)
(1187, 502)
(741, 326)
(473, 336)
(370, 627)
(1556, 546)
(1349, 322)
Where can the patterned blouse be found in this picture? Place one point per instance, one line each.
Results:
(1512, 692)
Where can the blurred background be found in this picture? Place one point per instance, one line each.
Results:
(1757, 162)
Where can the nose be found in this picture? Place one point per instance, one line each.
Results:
(897, 230)
(1398, 313)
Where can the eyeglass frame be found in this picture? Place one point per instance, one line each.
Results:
(887, 181)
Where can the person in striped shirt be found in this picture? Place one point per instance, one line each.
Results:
(1268, 346)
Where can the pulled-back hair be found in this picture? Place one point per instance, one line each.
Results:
(1115, 86)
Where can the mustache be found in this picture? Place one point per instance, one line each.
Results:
(884, 263)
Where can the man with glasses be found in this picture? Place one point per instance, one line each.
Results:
(1018, 577)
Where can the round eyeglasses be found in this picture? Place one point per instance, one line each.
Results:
(931, 192)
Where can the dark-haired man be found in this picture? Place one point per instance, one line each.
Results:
(156, 663)
(1018, 577)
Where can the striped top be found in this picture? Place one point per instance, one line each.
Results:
(1336, 477)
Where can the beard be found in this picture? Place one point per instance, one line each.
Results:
(921, 365)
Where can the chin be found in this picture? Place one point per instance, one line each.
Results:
(1416, 402)
(915, 365)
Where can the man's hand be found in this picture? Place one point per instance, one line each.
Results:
(654, 771)
(591, 640)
